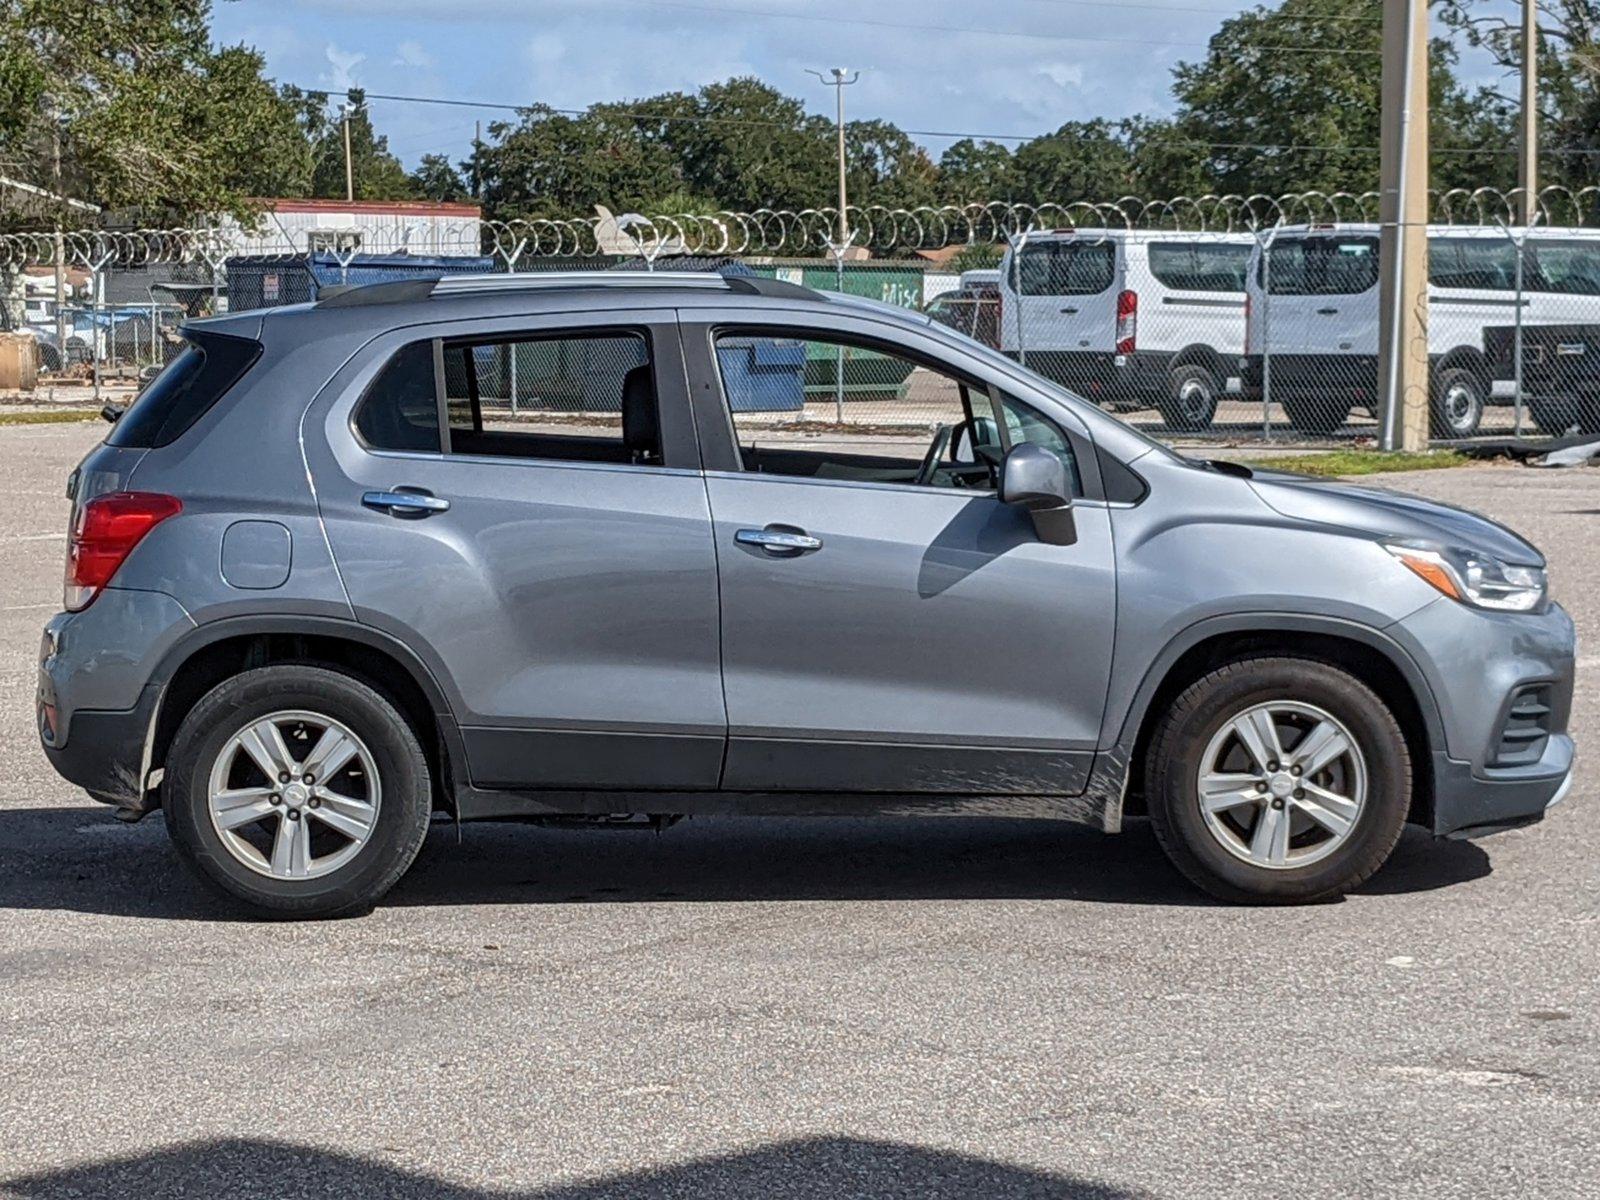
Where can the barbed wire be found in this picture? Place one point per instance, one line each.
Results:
(777, 232)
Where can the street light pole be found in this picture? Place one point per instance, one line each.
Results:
(349, 170)
(838, 83)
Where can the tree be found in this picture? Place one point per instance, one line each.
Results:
(436, 179)
(971, 171)
(884, 166)
(1287, 100)
(748, 145)
(1082, 160)
(1569, 78)
(375, 173)
(149, 117)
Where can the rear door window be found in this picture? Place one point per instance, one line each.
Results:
(191, 383)
(1067, 268)
(1322, 266)
(400, 411)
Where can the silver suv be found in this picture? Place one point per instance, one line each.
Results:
(570, 547)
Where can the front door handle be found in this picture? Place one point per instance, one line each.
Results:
(1327, 312)
(780, 541)
(402, 502)
(1069, 311)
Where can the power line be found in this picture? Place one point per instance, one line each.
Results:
(674, 118)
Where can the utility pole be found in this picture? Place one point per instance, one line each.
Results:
(1528, 125)
(1403, 241)
(59, 242)
(477, 147)
(349, 170)
(838, 83)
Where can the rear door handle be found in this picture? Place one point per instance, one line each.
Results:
(403, 502)
(780, 541)
(1328, 312)
(1069, 310)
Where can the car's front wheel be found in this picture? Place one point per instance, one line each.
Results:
(299, 790)
(1278, 780)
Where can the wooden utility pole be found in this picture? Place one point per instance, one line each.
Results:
(1403, 242)
(349, 171)
(1528, 125)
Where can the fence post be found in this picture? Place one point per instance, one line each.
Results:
(1018, 241)
(1266, 334)
(837, 250)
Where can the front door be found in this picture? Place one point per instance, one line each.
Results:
(523, 507)
(888, 624)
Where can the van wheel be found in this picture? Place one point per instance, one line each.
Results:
(1279, 781)
(1315, 414)
(1191, 401)
(1458, 400)
(298, 790)
(1559, 416)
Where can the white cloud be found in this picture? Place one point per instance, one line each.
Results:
(342, 63)
(410, 53)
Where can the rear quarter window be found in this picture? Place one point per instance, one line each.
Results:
(178, 397)
(1322, 266)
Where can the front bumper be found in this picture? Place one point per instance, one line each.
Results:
(1471, 806)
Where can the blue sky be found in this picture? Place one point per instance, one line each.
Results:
(1016, 67)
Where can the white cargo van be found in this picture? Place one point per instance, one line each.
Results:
(1131, 317)
(1321, 325)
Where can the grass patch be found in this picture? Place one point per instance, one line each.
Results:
(1361, 462)
(49, 417)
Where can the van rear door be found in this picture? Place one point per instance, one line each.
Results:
(1060, 305)
(1319, 314)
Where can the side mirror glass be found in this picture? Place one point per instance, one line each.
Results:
(1035, 480)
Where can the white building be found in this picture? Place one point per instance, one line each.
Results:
(358, 227)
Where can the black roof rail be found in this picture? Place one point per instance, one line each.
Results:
(775, 289)
(401, 291)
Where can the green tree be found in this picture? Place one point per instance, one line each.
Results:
(748, 145)
(1083, 160)
(376, 174)
(151, 119)
(1263, 113)
(1569, 78)
(437, 179)
(971, 171)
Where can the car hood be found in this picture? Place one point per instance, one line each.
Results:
(1389, 514)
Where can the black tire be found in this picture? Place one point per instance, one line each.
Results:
(1318, 415)
(1561, 415)
(1190, 404)
(1459, 398)
(403, 812)
(1204, 708)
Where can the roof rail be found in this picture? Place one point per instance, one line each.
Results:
(400, 291)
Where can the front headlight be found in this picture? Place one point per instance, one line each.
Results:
(1472, 576)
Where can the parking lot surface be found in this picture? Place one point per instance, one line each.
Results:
(775, 1008)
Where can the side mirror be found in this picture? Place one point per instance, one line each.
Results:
(1034, 479)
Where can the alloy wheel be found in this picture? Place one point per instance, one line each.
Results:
(1282, 784)
(294, 795)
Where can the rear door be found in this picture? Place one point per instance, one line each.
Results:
(1472, 288)
(1196, 294)
(1322, 295)
(1061, 297)
(520, 504)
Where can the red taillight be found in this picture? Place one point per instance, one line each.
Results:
(1127, 322)
(105, 533)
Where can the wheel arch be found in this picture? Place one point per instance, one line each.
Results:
(220, 649)
(1472, 359)
(1364, 652)
(1199, 354)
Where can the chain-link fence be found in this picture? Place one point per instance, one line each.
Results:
(1234, 318)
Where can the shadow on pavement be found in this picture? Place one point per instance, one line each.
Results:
(81, 859)
(824, 1168)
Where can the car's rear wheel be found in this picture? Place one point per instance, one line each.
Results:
(299, 790)
(1190, 404)
(1317, 415)
(1459, 397)
(1278, 780)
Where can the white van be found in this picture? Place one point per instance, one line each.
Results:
(1131, 317)
(1321, 326)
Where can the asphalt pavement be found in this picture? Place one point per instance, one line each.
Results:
(795, 1008)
